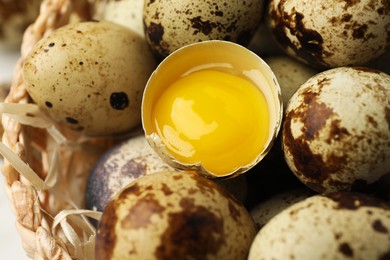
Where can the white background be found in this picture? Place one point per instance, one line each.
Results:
(10, 242)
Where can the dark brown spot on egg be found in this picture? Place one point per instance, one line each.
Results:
(350, 3)
(204, 27)
(134, 168)
(52, 44)
(337, 133)
(355, 200)
(140, 214)
(166, 190)
(360, 32)
(371, 121)
(119, 100)
(314, 116)
(133, 189)
(346, 249)
(48, 104)
(71, 120)
(155, 32)
(311, 42)
(379, 227)
(106, 236)
(346, 17)
(193, 233)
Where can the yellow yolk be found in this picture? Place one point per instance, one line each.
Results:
(213, 117)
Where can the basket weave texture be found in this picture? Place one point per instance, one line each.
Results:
(43, 219)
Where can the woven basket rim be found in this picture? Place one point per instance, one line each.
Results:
(35, 208)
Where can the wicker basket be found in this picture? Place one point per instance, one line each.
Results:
(45, 168)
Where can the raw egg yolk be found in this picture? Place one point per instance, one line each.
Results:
(213, 117)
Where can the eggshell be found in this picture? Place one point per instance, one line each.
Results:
(90, 76)
(336, 129)
(124, 163)
(342, 225)
(218, 55)
(125, 12)
(171, 24)
(331, 33)
(174, 215)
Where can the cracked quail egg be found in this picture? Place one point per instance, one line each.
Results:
(341, 225)
(171, 24)
(332, 33)
(174, 215)
(336, 129)
(212, 107)
(90, 76)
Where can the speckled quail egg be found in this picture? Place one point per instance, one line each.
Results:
(336, 129)
(291, 74)
(331, 33)
(15, 16)
(174, 215)
(125, 12)
(171, 24)
(264, 211)
(342, 225)
(122, 164)
(90, 76)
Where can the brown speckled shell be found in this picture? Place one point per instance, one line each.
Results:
(171, 24)
(336, 132)
(174, 215)
(90, 76)
(331, 33)
(118, 167)
(344, 225)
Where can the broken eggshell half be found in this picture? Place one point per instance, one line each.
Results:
(232, 60)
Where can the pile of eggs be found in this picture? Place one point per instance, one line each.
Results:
(258, 130)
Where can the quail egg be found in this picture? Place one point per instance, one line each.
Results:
(330, 34)
(336, 129)
(174, 215)
(90, 76)
(206, 110)
(171, 24)
(341, 225)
